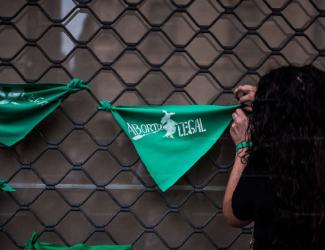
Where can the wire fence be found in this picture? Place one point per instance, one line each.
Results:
(78, 178)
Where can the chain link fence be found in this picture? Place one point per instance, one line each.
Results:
(78, 177)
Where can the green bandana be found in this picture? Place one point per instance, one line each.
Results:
(171, 139)
(33, 244)
(23, 106)
(4, 186)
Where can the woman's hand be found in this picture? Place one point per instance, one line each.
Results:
(248, 95)
(239, 127)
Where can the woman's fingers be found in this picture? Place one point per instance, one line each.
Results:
(240, 113)
(246, 98)
(244, 88)
(239, 116)
(238, 129)
(248, 108)
(235, 117)
(233, 128)
(248, 92)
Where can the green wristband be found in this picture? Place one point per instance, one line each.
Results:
(244, 144)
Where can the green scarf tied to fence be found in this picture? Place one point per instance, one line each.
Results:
(23, 106)
(33, 244)
(171, 139)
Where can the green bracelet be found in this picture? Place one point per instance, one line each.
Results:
(244, 144)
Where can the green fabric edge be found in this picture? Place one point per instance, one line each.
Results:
(33, 244)
(4, 186)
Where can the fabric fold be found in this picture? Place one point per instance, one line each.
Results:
(33, 244)
(23, 106)
(171, 139)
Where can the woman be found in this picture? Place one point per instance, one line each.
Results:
(278, 176)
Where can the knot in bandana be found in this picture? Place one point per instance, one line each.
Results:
(105, 105)
(76, 84)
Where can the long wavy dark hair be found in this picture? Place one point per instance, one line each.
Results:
(287, 130)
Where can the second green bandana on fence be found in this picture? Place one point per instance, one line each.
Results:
(33, 244)
(23, 106)
(171, 139)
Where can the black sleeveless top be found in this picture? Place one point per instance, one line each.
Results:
(252, 200)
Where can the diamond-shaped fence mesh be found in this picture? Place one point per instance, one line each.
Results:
(78, 177)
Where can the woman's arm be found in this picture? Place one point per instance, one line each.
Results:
(235, 175)
(238, 132)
